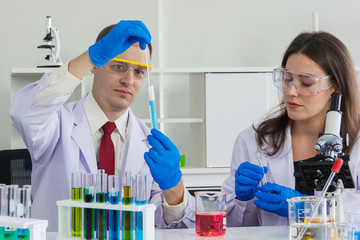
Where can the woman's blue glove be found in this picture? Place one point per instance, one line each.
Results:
(247, 178)
(118, 40)
(163, 160)
(272, 198)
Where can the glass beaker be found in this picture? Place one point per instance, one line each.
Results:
(301, 209)
(354, 218)
(341, 231)
(210, 213)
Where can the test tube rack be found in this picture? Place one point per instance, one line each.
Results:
(37, 227)
(64, 216)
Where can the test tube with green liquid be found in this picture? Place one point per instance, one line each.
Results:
(89, 213)
(24, 211)
(127, 215)
(3, 206)
(13, 199)
(76, 195)
(101, 185)
(140, 199)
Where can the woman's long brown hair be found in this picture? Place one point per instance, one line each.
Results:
(335, 60)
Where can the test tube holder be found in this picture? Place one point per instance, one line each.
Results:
(37, 227)
(64, 216)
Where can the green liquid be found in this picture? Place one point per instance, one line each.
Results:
(182, 160)
(101, 218)
(89, 216)
(10, 234)
(76, 213)
(1, 233)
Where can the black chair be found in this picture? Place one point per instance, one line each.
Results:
(15, 167)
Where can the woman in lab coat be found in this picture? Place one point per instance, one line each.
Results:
(314, 66)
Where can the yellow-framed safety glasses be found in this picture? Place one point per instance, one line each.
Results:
(121, 66)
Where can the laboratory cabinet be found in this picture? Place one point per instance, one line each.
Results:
(202, 110)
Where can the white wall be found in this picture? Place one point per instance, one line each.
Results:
(191, 33)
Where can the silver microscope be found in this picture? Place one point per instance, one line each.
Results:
(52, 42)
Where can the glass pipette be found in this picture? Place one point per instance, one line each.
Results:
(151, 93)
(334, 170)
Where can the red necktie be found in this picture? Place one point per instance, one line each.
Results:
(107, 152)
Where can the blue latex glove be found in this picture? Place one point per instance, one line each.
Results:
(163, 160)
(247, 178)
(118, 40)
(272, 198)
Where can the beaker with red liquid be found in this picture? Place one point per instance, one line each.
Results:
(210, 214)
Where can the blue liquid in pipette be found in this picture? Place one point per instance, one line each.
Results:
(153, 114)
(139, 222)
(114, 218)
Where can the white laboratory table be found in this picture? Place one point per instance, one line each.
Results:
(241, 233)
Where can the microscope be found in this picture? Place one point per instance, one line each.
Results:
(315, 171)
(52, 42)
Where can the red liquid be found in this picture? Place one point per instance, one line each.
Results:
(210, 224)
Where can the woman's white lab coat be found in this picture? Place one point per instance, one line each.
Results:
(281, 169)
(59, 139)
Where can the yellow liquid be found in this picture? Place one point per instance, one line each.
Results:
(76, 213)
(314, 232)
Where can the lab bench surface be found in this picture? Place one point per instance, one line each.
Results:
(241, 233)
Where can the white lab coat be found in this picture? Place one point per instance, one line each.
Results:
(281, 169)
(60, 142)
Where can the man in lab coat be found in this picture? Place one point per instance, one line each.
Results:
(66, 138)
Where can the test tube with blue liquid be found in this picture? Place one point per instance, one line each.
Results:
(101, 184)
(24, 211)
(127, 215)
(3, 206)
(114, 215)
(140, 199)
(151, 92)
(76, 195)
(89, 213)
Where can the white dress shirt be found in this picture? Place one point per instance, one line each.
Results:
(64, 84)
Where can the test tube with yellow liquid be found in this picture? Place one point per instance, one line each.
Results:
(76, 195)
(127, 215)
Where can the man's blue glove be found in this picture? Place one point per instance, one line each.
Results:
(163, 160)
(272, 198)
(247, 178)
(118, 40)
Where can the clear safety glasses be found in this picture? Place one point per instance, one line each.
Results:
(305, 84)
(121, 66)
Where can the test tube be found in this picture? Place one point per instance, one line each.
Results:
(99, 172)
(13, 199)
(114, 215)
(140, 200)
(76, 195)
(101, 185)
(126, 215)
(3, 206)
(24, 211)
(260, 161)
(89, 213)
